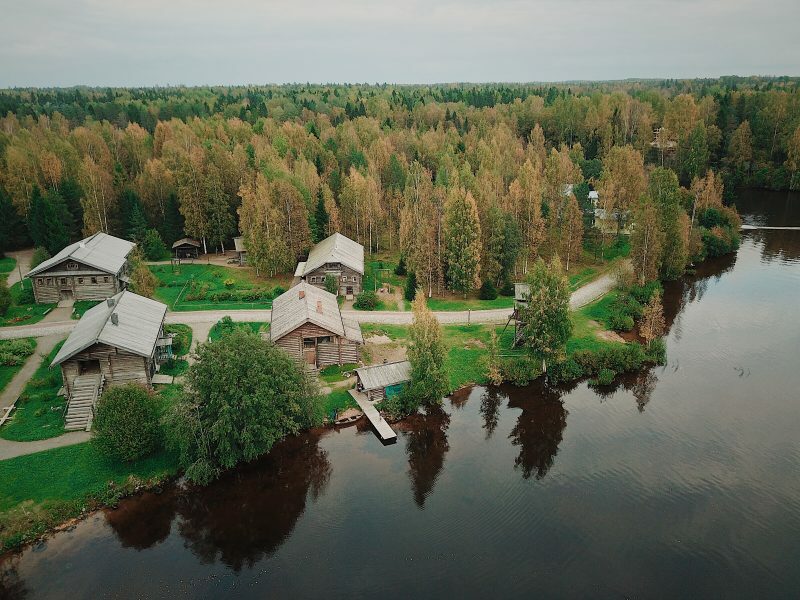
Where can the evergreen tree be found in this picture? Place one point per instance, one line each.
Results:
(152, 246)
(72, 192)
(12, 233)
(463, 236)
(137, 225)
(427, 355)
(49, 221)
(171, 228)
(410, 291)
(320, 218)
(545, 317)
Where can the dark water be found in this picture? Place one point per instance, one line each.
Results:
(682, 481)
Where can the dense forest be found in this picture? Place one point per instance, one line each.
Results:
(469, 182)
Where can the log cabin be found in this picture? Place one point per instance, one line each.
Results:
(307, 323)
(383, 381)
(186, 248)
(339, 256)
(118, 341)
(94, 268)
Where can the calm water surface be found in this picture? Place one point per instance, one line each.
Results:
(680, 481)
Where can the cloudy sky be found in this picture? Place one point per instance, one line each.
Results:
(193, 42)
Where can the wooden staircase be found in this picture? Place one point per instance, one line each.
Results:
(85, 391)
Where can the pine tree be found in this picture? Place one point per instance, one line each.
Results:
(651, 325)
(427, 355)
(545, 317)
(320, 218)
(171, 228)
(463, 237)
(12, 232)
(137, 224)
(49, 221)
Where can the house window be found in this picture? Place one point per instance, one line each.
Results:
(72, 266)
(355, 278)
(105, 279)
(49, 281)
(80, 279)
(313, 280)
(63, 281)
(94, 279)
(40, 281)
(309, 342)
(344, 278)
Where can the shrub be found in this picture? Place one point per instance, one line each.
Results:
(39, 256)
(366, 300)
(181, 340)
(657, 352)
(507, 289)
(126, 424)
(25, 295)
(400, 269)
(14, 352)
(519, 371)
(5, 297)
(620, 322)
(565, 371)
(604, 377)
(278, 291)
(229, 283)
(620, 359)
(410, 291)
(153, 246)
(487, 291)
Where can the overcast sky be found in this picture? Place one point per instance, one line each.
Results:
(195, 42)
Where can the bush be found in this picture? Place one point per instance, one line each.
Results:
(366, 300)
(5, 297)
(229, 283)
(519, 371)
(181, 340)
(126, 424)
(487, 291)
(620, 322)
(507, 289)
(400, 269)
(620, 359)
(39, 256)
(410, 291)
(14, 352)
(565, 371)
(657, 352)
(25, 295)
(604, 377)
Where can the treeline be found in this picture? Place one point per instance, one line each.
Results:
(470, 182)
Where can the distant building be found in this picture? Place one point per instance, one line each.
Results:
(118, 341)
(336, 255)
(594, 198)
(307, 323)
(383, 381)
(241, 252)
(92, 269)
(186, 248)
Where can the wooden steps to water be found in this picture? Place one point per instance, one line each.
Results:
(85, 391)
(382, 428)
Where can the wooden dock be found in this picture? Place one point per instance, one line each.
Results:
(385, 432)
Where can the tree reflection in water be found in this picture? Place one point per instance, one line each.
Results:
(491, 399)
(426, 445)
(11, 586)
(239, 519)
(539, 428)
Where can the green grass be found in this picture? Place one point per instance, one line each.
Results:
(23, 314)
(71, 473)
(338, 400)
(7, 373)
(175, 285)
(620, 247)
(587, 322)
(39, 413)
(375, 273)
(7, 264)
(333, 373)
(253, 326)
(81, 306)
(454, 304)
(581, 278)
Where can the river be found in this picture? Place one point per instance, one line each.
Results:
(680, 481)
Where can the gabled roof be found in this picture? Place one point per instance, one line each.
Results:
(187, 241)
(138, 323)
(102, 251)
(336, 249)
(301, 268)
(385, 375)
(305, 303)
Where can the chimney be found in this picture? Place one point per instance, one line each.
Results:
(110, 302)
(319, 306)
(302, 294)
(114, 319)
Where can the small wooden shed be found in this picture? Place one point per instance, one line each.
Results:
(383, 381)
(186, 248)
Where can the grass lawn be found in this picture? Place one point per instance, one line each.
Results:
(7, 372)
(39, 413)
(582, 277)
(338, 400)
(254, 326)
(333, 373)
(81, 306)
(23, 313)
(7, 264)
(180, 286)
(455, 304)
(174, 367)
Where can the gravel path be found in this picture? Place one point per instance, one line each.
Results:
(23, 265)
(14, 388)
(13, 449)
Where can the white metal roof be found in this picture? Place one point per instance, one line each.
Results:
(102, 251)
(593, 195)
(336, 249)
(522, 292)
(385, 375)
(305, 303)
(138, 323)
(301, 268)
(238, 244)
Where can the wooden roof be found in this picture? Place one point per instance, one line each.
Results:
(305, 303)
(335, 249)
(187, 242)
(102, 251)
(385, 375)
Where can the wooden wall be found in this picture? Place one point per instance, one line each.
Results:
(336, 352)
(118, 366)
(319, 274)
(48, 285)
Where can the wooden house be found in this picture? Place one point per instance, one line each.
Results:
(307, 323)
(93, 269)
(118, 341)
(338, 256)
(383, 381)
(186, 248)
